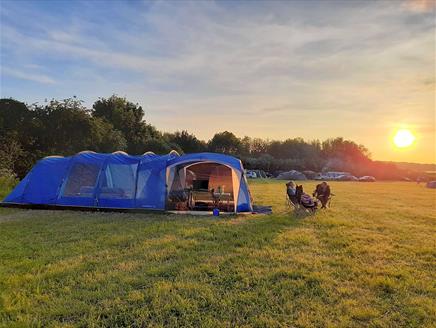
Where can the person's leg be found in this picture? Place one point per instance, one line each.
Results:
(323, 202)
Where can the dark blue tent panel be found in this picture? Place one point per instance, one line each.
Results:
(42, 184)
(122, 181)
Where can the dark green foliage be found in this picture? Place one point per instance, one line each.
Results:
(14, 115)
(255, 146)
(338, 147)
(65, 127)
(225, 142)
(28, 133)
(56, 128)
(160, 146)
(127, 117)
(186, 141)
(8, 181)
(18, 144)
(106, 138)
(10, 152)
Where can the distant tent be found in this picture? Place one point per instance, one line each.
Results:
(310, 174)
(431, 184)
(149, 181)
(291, 175)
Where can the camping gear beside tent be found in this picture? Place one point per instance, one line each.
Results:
(121, 181)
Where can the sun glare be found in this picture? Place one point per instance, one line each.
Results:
(403, 138)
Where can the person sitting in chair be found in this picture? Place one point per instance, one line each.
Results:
(305, 200)
(322, 192)
(291, 191)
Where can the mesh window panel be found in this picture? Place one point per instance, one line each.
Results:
(178, 196)
(243, 197)
(118, 181)
(142, 190)
(82, 180)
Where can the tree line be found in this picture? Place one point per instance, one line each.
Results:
(65, 127)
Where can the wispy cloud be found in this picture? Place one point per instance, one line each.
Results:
(266, 63)
(24, 75)
(421, 5)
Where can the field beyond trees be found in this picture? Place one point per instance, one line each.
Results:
(369, 261)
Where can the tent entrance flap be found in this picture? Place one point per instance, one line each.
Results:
(201, 186)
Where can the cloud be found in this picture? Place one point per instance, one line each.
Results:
(264, 63)
(40, 78)
(206, 47)
(421, 5)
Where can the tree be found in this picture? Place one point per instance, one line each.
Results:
(10, 152)
(18, 147)
(346, 150)
(65, 127)
(62, 127)
(17, 122)
(258, 146)
(225, 142)
(186, 141)
(160, 146)
(105, 138)
(307, 154)
(126, 117)
(14, 115)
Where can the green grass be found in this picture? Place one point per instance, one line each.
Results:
(369, 261)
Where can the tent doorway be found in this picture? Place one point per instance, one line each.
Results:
(201, 186)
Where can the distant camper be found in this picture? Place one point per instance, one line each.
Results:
(331, 175)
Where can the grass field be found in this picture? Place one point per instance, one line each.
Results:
(369, 261)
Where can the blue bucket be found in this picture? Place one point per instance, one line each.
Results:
(216, 212)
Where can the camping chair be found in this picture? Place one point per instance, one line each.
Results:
(308, 203)
(302, 202)
(328, 202)
(292, 202)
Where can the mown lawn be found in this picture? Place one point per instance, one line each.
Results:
(369, 261)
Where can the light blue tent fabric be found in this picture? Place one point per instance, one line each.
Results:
(116, 180)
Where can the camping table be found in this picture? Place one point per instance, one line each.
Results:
(206, 196)
(221, 197)
(203, 196)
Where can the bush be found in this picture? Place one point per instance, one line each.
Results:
(8, 180)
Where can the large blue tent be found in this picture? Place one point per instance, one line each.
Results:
(200, 181)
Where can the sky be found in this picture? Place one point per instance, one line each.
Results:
(276, 69)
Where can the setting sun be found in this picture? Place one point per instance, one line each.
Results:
(403, 138)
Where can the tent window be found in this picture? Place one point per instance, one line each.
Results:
(82, 180)
(118, 181)
(143, 189)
